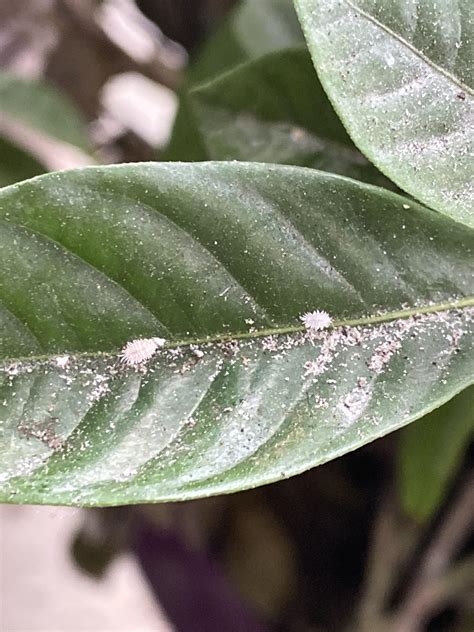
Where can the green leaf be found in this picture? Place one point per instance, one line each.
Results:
(234, 43)
(430, 453)
(16, 164)
(400, 75)
(220, 259)
(254, 28)
(42, 108)
(274, 109)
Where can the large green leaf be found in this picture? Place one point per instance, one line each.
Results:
(400, 75)
(220, 259)
(430, 453)
(41, 107)
(273, 109)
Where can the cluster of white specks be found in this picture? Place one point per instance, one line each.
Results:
(230, 348)
(388, 338)
(68, 379)
(382, 354)
(316, 321)
(320, 402)
(330, 341)
(199, 353)
(312, 368)
(138, 351)
(44, 432)
(270, 343)
(62, 361)
(455, 336)
(101, 387)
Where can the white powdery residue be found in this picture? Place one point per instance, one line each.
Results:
(270, 343)
(316, 321)
(137, 351)
(330, 342)
(312, 368)
(455, 336)
(355, 402)
(353, 336)
(62, 361)
(395, 332)
(383, 353)
(231, 348)
(67, 379)
(100, 385)
(320, 402)
(196, 351)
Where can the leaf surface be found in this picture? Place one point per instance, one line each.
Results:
(400, 76)
(221, 260)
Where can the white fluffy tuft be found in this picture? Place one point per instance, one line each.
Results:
(317, 320)
(138, 351)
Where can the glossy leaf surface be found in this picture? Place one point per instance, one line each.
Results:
(221, 260)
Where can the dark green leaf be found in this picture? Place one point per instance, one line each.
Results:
(430, 453)
(221, 260)
(400, 75)
(255, 28)
(274, 109)
(16, 164)
(277, 26)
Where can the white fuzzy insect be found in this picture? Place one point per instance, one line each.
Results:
(137, 351)
(317, 320)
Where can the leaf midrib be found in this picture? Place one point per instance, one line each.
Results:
(262, 333)
(455, 80)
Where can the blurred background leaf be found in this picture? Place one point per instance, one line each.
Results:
(43, 108)
(16, 164)
(273, 109)
(277, 26)
(431, 453)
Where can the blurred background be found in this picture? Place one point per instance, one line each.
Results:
(350, 545)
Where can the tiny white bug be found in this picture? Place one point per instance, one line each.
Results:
(317, 320)
(137, 351)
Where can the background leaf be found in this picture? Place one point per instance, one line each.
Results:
(277, 26)
(42, 108)
(400, 76)
(273, 109)
(430, 454)
(225, 257)
(253, 29)
(16, 164)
